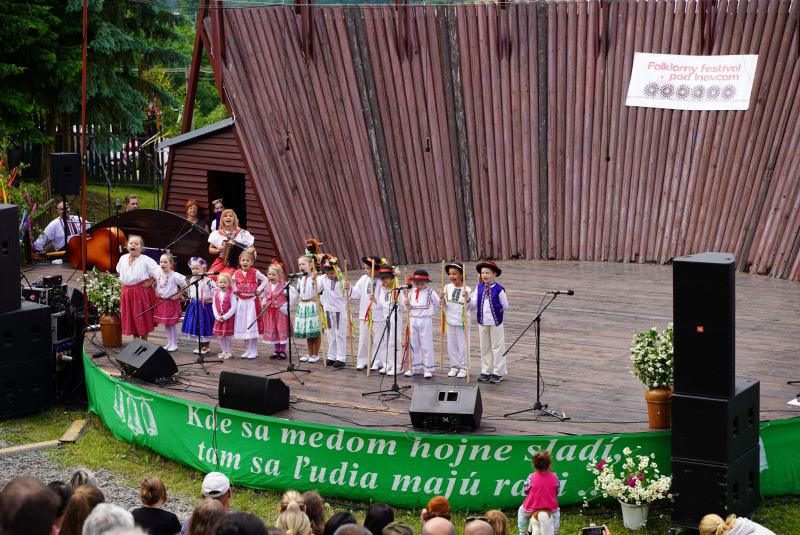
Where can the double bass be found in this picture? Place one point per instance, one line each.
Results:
(103, 248)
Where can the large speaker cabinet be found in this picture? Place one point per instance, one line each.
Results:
(25, 333)
(252, 393)
(27, 386)
(446, 405)
(65, 173)
(147, 361)
(9, 258)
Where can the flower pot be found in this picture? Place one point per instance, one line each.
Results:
(659, 401)
(634, 516)
(111, 330)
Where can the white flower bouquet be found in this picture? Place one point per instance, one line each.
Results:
(636, 482)
(652, 356)
(103, 290)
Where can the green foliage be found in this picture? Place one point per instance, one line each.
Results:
(217, 114)
(28, 196)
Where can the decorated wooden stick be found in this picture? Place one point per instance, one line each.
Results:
(441, 347)
(321, 325)
(466, 327)
(369, 311)
(408, 325)
(349, 318)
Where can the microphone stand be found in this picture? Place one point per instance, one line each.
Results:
(291, 368)
(395, 388)
(537, 406)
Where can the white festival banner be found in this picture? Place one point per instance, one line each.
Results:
(691, 82)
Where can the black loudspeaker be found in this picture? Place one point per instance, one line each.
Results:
(25, 334)
(26, 386)
(700, 489)
(252, 393)
(65, 173)
(704, 323)
(147, 361)
(9, 257)
(445, 405)
(715, 430)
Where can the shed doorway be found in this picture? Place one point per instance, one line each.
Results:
(231, 187)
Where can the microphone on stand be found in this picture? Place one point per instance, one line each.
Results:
(298, 274)
(210, 273)
(558, 292)
(117, 205)
(405, 286)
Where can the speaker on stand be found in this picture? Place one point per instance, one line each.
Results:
(715, 416)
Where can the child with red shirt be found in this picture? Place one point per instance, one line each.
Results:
(541, 489)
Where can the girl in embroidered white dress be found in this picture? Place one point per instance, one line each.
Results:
(229, 231)
(137, 272)
(168, 312)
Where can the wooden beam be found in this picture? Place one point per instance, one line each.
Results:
(194, 73)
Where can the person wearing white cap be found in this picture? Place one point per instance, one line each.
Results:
(216, 486)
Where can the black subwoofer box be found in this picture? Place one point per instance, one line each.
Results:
(446, 405)
(9, 257)
(26, 386)
(25, 333)
(252, 393)
(147, 361)
(704, 323)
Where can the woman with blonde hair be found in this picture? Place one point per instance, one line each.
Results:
(294, 522)
(292, 499)
(228, 231)
(498, 521)
(714, 525)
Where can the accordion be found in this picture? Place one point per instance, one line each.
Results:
(230, 253)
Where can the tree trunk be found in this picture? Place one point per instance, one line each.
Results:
(66, 132)
(49, 146)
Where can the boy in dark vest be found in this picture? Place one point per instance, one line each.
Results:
(490, 300)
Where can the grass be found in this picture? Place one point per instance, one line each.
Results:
(99, 449)
(97, 200)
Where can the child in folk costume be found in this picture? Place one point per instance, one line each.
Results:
(387, 326)
(276, 318)
(423, 304)
(365, 286)
(199, 319)
(248, 283)
(334, 299)
(229, 231)
(138, 273)
(224, 307)
(490, 300)
(307, 316)
(168, 312)
(457, 315)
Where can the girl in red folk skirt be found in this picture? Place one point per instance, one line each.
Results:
(248, 283)
(137, 273)
(225, 303)
(276, 324)
(168, 313)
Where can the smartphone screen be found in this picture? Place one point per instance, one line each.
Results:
(592, 531)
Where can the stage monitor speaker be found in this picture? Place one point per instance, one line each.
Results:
(26, 386)
(25, 334)
(65, 173)
(704, 323)
(147, 361)
(252, 393)
(445, 405)
(716, 431)
(9, 257)
(700, 489)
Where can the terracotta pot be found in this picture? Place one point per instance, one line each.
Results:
(659, 401)
(111, 330)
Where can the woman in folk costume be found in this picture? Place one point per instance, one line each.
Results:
(229, 231)
(307, 317)
(276, 318)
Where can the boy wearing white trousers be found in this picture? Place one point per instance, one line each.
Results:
(423, 304)
(334, 302)
(388, 331)
(455, 297)
(490, 300)
(362, 290)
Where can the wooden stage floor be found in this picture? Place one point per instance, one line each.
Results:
(585, 353)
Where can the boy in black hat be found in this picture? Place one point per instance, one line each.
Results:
(490, 300)
(387, 328)
(423, 304)
(457, 315)
(365, 286)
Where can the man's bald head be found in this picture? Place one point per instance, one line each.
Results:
(478, 527)
(440, 526)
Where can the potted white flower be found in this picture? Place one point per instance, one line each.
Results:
(653, 364)
(636, 484)
(104, 290)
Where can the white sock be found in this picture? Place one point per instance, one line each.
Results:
(172, 335)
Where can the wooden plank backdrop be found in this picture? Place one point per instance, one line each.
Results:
(501, 131)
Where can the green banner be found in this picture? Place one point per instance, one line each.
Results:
(401, 469)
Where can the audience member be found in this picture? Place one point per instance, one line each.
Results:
(152, 518)
(398, 528)
(442, 526)
(192, 211)
(378, 517)
(294, 522)
(204, 516)
(131, 203)
(437, 507)
(128, 531)
(477, 526)
(82, 476)
(239, 524)
(315, 510)
(83, 500)
(339, 519)
(64, 491)
(292, 499)
(27, 507)
(216, 486)
(714, 525)
(352, 529)
(107, 517)
(275, 531)
(498, 521)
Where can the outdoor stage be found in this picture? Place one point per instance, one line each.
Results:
(585, 354)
